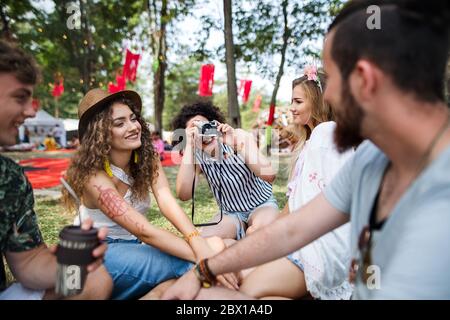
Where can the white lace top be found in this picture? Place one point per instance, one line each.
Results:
(101, 220)
(326, 260)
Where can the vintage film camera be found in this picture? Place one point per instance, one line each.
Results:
(208, 128)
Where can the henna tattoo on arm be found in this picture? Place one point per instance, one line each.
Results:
(114, 204)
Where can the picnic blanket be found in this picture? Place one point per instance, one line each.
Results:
(45, 172)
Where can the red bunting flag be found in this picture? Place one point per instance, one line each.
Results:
(244, 89)
(121, 82)
(58, 89)
(112, 88)
(257, 103)
(118, 86)
(271, 115)
(35, 104)
(206, 83)
(130, 66)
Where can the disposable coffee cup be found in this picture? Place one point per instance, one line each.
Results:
(73, 255)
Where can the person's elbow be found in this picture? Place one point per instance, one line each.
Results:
(269, 177)
(182, 193)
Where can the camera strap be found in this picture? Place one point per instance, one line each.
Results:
(220, 189)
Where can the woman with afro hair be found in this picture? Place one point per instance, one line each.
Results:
(238, 174)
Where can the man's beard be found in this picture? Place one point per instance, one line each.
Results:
(348, 121)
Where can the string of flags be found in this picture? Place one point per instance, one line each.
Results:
(131, 64)
(205, 88)
(129, 71)
(119, 85)
(244, 89)
(206, 82)
(58, 86)
(269, 125)
(257, 103)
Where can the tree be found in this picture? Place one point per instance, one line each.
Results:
(265, 32)
(270, 35)
(282, 29)
(87, 55)
(182, 86)
(233, 106)
(96, 46)
(161, 16)
(13, 15)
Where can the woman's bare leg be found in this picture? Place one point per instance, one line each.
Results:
(277, 278)
(215, 243)
(261, 217)
(226, 229)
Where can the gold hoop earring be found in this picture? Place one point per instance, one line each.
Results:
(136, 157)
(107, 168)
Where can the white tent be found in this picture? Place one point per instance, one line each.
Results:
(70, 124)
(41, 125)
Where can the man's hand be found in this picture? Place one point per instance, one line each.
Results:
(208, 247)
(186, 288)
(228, 280)
(98, 252)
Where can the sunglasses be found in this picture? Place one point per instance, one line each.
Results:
(359, 266)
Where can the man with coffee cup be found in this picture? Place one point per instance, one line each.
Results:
(31, 262)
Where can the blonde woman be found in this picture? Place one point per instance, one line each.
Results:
(319, 269)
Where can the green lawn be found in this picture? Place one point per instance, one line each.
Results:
(52, 216)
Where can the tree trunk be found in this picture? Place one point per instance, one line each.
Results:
(233, 106)
(87, 52)
(159, 75)
(286, 36)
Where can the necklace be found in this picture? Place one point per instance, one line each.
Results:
(433, 143)
(426, 156)
(363, 258)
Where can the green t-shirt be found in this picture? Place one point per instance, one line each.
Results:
(19, 230)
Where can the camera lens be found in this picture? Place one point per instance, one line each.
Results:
(207, 126)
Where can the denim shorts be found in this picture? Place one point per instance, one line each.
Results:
(296, 261)
(241, 217)
(137, 268)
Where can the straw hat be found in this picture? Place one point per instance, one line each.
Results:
(97, 99)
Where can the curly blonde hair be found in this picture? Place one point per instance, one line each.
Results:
(94, 151)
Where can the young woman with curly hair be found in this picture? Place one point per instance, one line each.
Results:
(237, 173)
(113, 172)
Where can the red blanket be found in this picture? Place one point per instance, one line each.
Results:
(45, 172)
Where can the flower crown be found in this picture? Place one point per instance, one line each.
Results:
(311, 73)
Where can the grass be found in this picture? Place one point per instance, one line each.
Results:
(205, 204)
(52, 217)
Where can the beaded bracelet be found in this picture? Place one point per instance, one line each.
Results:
(191, 235)
(206, 272)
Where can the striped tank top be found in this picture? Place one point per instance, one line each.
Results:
(242, 190)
